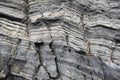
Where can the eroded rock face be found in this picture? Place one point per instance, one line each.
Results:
(59, 39)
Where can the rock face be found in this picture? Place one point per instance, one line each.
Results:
(59, 40)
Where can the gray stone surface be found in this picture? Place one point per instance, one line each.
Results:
(59, 40)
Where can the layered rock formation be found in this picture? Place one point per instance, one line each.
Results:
(59, 39)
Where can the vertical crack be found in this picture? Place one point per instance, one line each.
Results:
(102, 67)
(44, 22)
(67, 41)
(38, 50)
(11, 60)
(12, 57)
(84, 77)
(91, 75)
(112, 53)
(26, 19)
(83, 25)
(56, 60)
(84, 37)
(88, 49)
(26, 1)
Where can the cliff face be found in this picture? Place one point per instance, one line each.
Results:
(59, 40)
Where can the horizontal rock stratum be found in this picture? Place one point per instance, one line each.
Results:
(59, 39)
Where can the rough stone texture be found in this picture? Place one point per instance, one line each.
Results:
(59, 39)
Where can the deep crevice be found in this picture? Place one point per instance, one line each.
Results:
(38, 50)
(56, 61)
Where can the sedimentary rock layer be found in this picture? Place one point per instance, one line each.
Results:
(59, 39)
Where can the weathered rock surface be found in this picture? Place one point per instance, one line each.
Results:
(59, 39)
